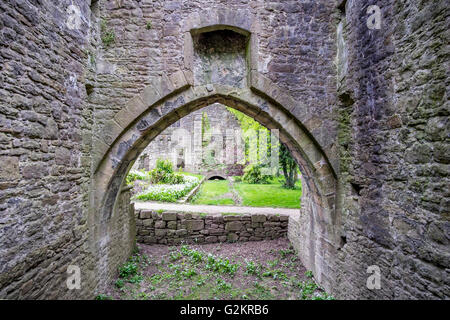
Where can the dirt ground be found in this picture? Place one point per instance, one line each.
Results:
(255, 270)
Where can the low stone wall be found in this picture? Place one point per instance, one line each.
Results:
(171, 227)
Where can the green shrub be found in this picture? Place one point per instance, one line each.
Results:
(136, 175)
(163, 173)
(237, 178)
(164, 165)
(253, 174)
(128, 269)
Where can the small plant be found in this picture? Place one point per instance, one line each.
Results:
(201, 282)
(136, 278)
(127, 270)
(222, 285)
(195, 255)
(174, 256)
(144, 295)
(252, 268)
(103, 297)
(221, 265)
(108, 36)
(323, 296)
(276, 275)
(119, 283)
(187, 274)
(309, 274)
(149, 25)
(285, 252)
(273, 263)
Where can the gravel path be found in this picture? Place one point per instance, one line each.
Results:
(211, 208)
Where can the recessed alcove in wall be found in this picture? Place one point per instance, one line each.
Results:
(220, 57)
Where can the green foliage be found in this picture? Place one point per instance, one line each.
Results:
(128, 269)
(136, 175)
(253, 268)
(129, 272)
(289, 167)
(251, 132)
(309, 274)
(196, 256)
(253, 174)
(163, 173)
(168, 192)
(103, 297)
(164, 165)
(187, 274)
(276, 274)
(222, 285)
(120, 283)
(107, 35)
(285, 252)
(149, 25)
(221, 265)
(237, 178)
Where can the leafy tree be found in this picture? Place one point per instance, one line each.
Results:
(289, 167)
(249, 125)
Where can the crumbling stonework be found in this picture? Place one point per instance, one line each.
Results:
(177, 227)
(85, 86)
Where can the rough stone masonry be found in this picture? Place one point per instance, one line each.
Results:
(86, 85)
(170, 227)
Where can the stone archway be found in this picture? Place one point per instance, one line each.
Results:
(314, 232)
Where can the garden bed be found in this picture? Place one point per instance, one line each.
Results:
(262, 270)
(145, 191)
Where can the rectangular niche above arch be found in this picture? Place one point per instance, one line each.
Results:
(220, 58)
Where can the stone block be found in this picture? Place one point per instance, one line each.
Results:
(194, 225)
(232, 237)
(147, 222)
(258, 218)
(160, 232)
(169, 216)
(146, 214)
(233, 226)
(160, 224)
(172, 225)
(211, 239)
(231, 218)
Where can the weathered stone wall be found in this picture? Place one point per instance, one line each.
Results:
(380, 117)
(394, 151)
(45, 129)
(182, 144)
(173, 228)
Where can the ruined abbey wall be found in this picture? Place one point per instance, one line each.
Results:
(374, 100)
(189, 142)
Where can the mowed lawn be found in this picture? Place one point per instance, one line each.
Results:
(218, 192)
(214, 192)
(269, 195)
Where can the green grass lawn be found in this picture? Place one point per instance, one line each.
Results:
(190, 174)
(268, 195)
(211, 192)
(252, 195)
